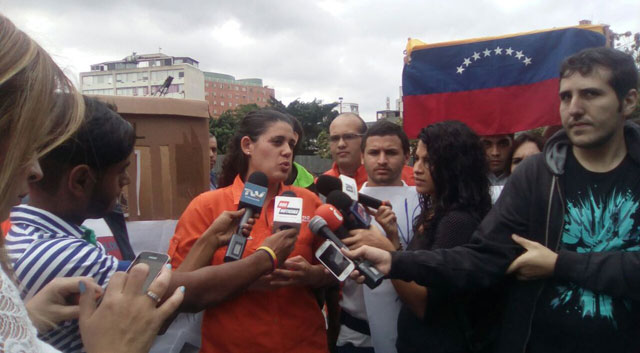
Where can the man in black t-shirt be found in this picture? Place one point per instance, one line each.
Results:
(576, 264)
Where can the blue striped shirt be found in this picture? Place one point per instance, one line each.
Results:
(42, 246)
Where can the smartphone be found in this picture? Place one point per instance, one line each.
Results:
(155, 261)
(332, 258)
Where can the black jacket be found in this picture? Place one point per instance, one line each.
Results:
(531, 205)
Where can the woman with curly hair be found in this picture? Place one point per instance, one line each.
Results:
(451, 177)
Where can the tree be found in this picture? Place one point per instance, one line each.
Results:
(314, 118)
(226, 124)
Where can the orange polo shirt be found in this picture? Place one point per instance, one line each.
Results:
(283, 320)
(361, 174)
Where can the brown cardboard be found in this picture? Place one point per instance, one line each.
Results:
(170, 165)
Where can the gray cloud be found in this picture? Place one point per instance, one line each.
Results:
(305, 49)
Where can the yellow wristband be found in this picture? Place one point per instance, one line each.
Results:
(272, 254)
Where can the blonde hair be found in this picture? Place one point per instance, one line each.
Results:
(39, 108)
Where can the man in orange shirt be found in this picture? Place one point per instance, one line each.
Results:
(345, 139)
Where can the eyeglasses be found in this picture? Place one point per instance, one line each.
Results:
(345, 137)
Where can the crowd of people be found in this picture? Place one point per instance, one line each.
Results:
(496, 243)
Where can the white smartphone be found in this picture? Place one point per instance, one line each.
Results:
(332, 258)
(155, 261)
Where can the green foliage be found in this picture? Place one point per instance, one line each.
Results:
(225, 126)
(314, 117)
(322, 145)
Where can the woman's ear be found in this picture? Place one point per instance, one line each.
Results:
(246, 145)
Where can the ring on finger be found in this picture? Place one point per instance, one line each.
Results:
(156, 298)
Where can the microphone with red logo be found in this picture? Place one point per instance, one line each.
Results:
(326, 184)
(252, 200)
(319, 225)
(287, 212)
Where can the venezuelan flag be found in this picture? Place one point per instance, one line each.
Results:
(495, 85)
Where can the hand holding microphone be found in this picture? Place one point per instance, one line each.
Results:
(253, 196)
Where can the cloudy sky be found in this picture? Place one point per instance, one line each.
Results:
(304, 49)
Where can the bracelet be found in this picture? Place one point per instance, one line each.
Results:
(272, 255)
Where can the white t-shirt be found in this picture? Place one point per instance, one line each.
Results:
(380, 306)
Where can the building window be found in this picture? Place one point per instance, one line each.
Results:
(222, 104)
(244, 89)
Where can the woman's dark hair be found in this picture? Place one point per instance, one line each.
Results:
(458, 168)
(252, 125)
(523, 137)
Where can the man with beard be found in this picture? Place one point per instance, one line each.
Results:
(576, 207)
(82, 179)
(369, 317)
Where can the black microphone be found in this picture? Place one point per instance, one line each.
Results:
(372, 277)
(252, 200)
(356, 216)
(326, 184)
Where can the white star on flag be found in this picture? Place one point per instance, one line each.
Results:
(476, 56)
(527, 61)
(460, 69)
(519, 54)
(498, 50)
(467, 62)
(487, 52)
(509, 51)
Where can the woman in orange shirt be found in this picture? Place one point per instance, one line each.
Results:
(268, 310)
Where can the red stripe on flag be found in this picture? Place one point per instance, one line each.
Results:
(500, 110)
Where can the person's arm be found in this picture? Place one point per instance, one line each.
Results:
(454, 229)
(485, 259)
(616, 273)
(413, 295)
(211, 285)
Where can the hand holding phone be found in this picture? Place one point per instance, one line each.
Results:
(330, 256)
(155, 261)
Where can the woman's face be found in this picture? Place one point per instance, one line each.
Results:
(421, 173)
(523, 151)
(272, 152)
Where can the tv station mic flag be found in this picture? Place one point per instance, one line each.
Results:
(495, 85)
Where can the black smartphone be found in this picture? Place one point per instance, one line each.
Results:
(155, 261)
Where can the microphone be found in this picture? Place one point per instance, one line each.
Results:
(334, 219)
(287, 212)
(355, 215)
(252, 199)
(372, 277)
(326, 184)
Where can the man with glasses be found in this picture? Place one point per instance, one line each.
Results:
(345, 137)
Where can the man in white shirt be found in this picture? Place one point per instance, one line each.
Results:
(369, 317)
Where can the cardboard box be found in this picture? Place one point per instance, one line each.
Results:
(170, 165)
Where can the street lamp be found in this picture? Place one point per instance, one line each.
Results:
(340, 99)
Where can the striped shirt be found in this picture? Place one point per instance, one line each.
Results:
(42, 246)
